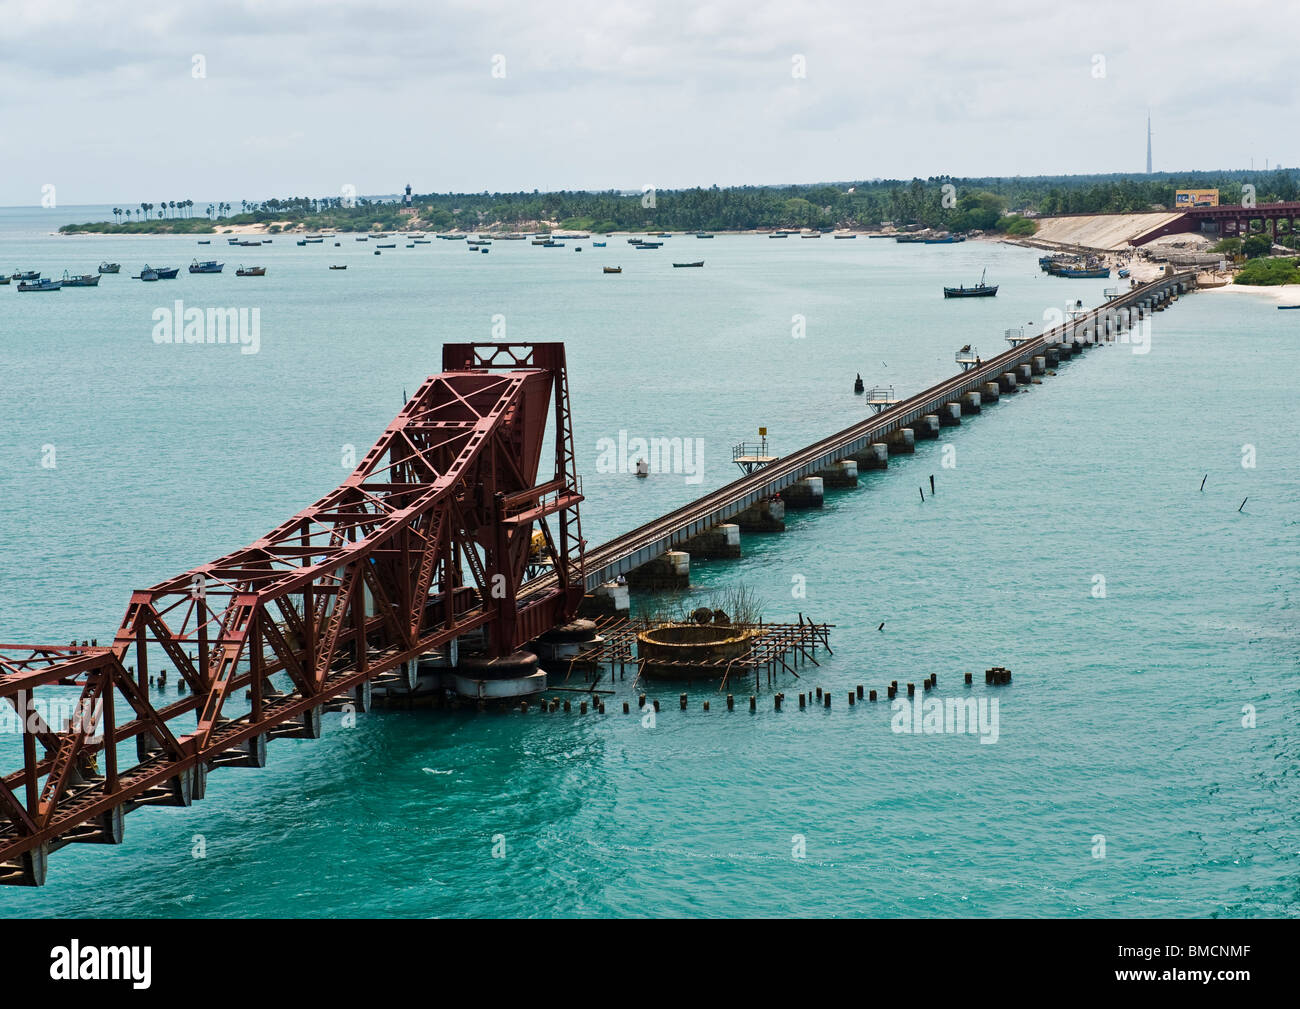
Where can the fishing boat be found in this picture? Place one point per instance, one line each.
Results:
(301, 241)
(362, 238)
(420, 241)
(205, 241)
(232, 241)
(1283, 308)
(980, 290)
(247, 242)
(27, 275)
(703, 234)
(635, 241)
(315, 238)
(815, 234)
(313, 241)
(552, 245)
(147, 274)
(678, 266)
(84, 280)
(944, 239)
(649, 245)
(844, 236)
(1123, 273)
(779, 234)
(109, 267)
(344, 267)
(485, 250)
(4, 281)
(251, 271)
(207, 266)
(410, 245)
(40, 285)
(165, 272)
(1084, 273)
(452, 238)
(598, 245)
(909, 238)
(390, 245)
(612, 269)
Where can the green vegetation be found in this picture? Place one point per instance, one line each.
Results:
(183, 226)
(955, 204)
(1269, 273)
(1254, 246)
(1230, 247)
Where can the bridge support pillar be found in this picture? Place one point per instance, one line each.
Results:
(1038, 366)
(1051, 357)
(806, 493)
(1007, 382)
(766, 516)
(667, 571)
(1064, 351)
(990, 392)
(607, 600)
(1024, 374)
(874, 456)
(719, 542)
(971, 403)
(950, 415)
(843, 474)
(927, 428)
(901, 442)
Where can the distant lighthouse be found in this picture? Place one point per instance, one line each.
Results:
(407, 199)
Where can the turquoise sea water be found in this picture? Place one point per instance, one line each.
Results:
(1124, 718)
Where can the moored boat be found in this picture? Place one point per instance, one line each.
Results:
(163, 272)
(980, 290)
(40, 285)
(251, 271)
(390, 245)
(4, 281)
(598, 245)
(27, 275)
(147, 274)
(109, 267)
(249, 242)
(612, 269)
(344, 267)
(207, 266)
(703, 234)
(84, 280)
(681, 265)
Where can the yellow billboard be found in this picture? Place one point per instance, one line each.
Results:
(1196, 198)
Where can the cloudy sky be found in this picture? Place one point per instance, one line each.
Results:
(300, 98)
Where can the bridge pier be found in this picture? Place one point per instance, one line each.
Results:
(901, 442)
(927, 427)
(607, 600)
(1051, 357)
(722, 541)
(1038, 366)
(766, 516)
(950, 415)
(971, 403)
(874, 456)
(805, 493)
(667, 571)
(843, 474)
(1007, 382)
(990, 392)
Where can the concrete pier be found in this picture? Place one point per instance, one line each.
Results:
(607, 600)
(766, 516)
(901, 442)
(876, 456)
(1024, 374)
(971, 403)
(1007, 382)
(843, 474)
(667, 571)
(720, 541)
(1038, 366)
(990, 391)
(806, 493)
(950, 415)
(927, 427)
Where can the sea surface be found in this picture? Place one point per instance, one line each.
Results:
(1146, 754)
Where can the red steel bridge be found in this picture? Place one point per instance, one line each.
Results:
(1229, 220)
(426, 542)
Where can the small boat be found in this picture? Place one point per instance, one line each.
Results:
(40, 285)
(378, 253)
(1084, 273)
(858, 385)
(85, 280)
(418, 241)
(779, 234)
(909, 238)
(1123, 273)
(980, 290)
(166, 272)
(301, 241)
(247, 242)
(680, 265)
(266, 241)
(552, 245)
(337, 244)
(844, 236)
(410, 245)
(485, 251)
(612, 269)
(313, 241)
(232, 241)
(815, 235)
(642, 469)
(648, 245)
(208, 266)
(362, 238)
(147, 274)
(664, 234)
(4, 281)
(703, 234)
(635, 241)
(1283, 308)
(109, 267)
(315, 238)
(577, 248)
(28, 275)
(344, 267)
(448, 238)
(943, 239)
(251, 271)
(538, 241)
(597, 245)
(205, 241)
(390, 245)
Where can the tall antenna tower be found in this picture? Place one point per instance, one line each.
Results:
(1148, 141)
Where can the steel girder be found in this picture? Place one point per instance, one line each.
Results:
(426, 541)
